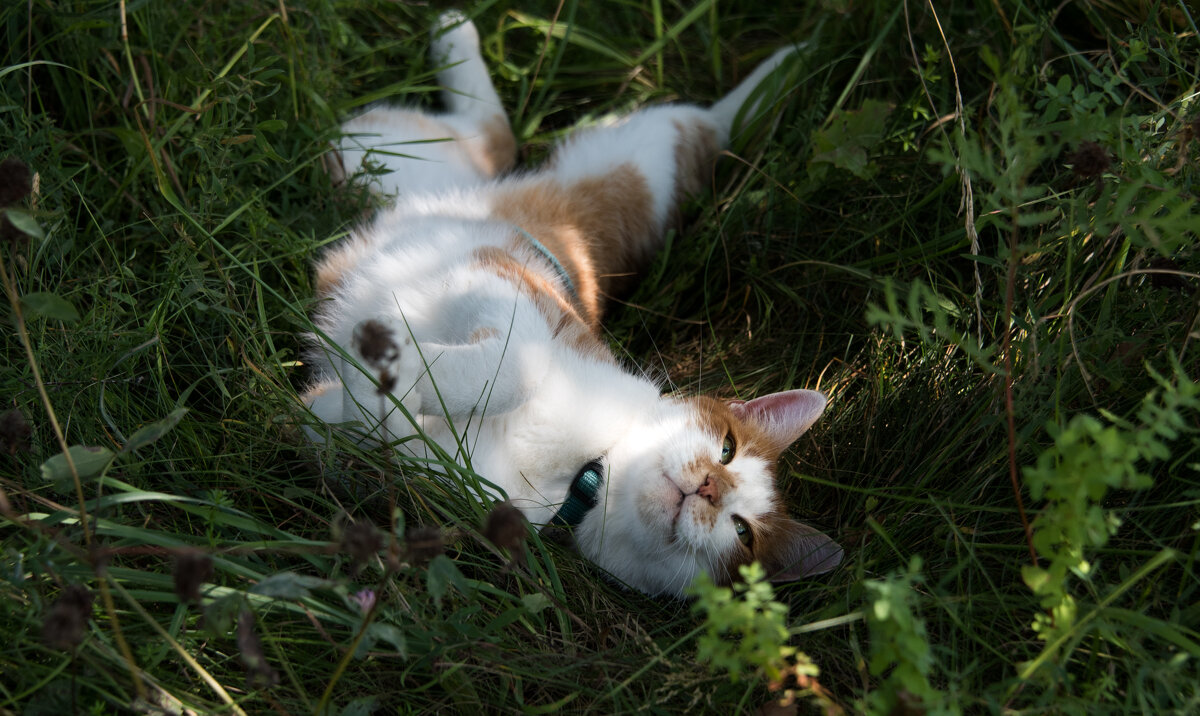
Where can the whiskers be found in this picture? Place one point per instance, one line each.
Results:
(690, 560)
(679, 554)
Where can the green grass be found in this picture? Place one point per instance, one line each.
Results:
(181, 198)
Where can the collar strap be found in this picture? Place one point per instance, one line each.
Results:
(582, 495)
(549, 256)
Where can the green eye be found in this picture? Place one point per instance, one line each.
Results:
(727, 450)
(743, 530)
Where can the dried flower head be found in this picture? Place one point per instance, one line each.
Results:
(1089, 161)
(505, 527)
(14, 432)
(259, 671)
(1168, 280)
(361, 541)
(375, 343)
(423, 543)
(387, 382)
(64, 625)
(15, 181)
(192, 569)
(99, 556)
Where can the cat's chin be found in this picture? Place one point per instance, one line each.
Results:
(660, 505)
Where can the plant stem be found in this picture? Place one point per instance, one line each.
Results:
(1009, 410)
(10, 289)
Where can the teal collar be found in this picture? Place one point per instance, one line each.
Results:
(582, 496)
(546, 254)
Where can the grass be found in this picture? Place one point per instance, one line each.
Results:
(181, 201)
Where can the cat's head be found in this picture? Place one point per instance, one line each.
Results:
(692, 489)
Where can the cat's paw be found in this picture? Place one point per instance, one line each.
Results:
(455, 38)
(383, 346)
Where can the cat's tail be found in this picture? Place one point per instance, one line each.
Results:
(752, 97)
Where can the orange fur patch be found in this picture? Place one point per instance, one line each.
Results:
(601, 229)
(332, 162)
(482, 334)
(316, 391)
(720, 474)
(333, 267)
(499, 146)
(562, 317)
(717, 419)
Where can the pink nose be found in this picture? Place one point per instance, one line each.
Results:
(710, 490)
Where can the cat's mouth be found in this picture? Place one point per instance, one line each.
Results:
(676, 510)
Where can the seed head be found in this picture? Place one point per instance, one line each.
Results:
(505, 527)
(192, 569)
(1167, 280)
(260, 672)
(14, 432)
(1089, 161)
(423, 543)
(15, 181)
(375, 343)
(64, 625)
(361, 541)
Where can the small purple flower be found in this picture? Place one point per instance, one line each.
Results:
(365, 599)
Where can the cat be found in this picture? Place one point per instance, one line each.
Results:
(473, 301)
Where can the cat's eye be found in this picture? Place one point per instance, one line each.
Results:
(743, 530)
(727, 449)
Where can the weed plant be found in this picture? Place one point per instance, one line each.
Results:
(972, 225)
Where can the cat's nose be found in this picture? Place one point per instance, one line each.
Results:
(710, 490)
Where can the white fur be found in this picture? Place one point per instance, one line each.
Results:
(536, 409)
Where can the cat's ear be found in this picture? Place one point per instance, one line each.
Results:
(792, 550)
(782, 417)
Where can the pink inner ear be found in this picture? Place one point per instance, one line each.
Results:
(784, 417)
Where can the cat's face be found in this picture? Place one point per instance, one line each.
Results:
(693, 489)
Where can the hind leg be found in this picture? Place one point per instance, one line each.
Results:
(671, 148)
(422, 151)
(473, 106)
(620, 186)
(603, 203)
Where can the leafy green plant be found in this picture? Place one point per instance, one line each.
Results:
(901, 654)
(745, 634)
(745, 629)
(1074, 476)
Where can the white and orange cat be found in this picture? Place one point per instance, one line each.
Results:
(472, 305)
